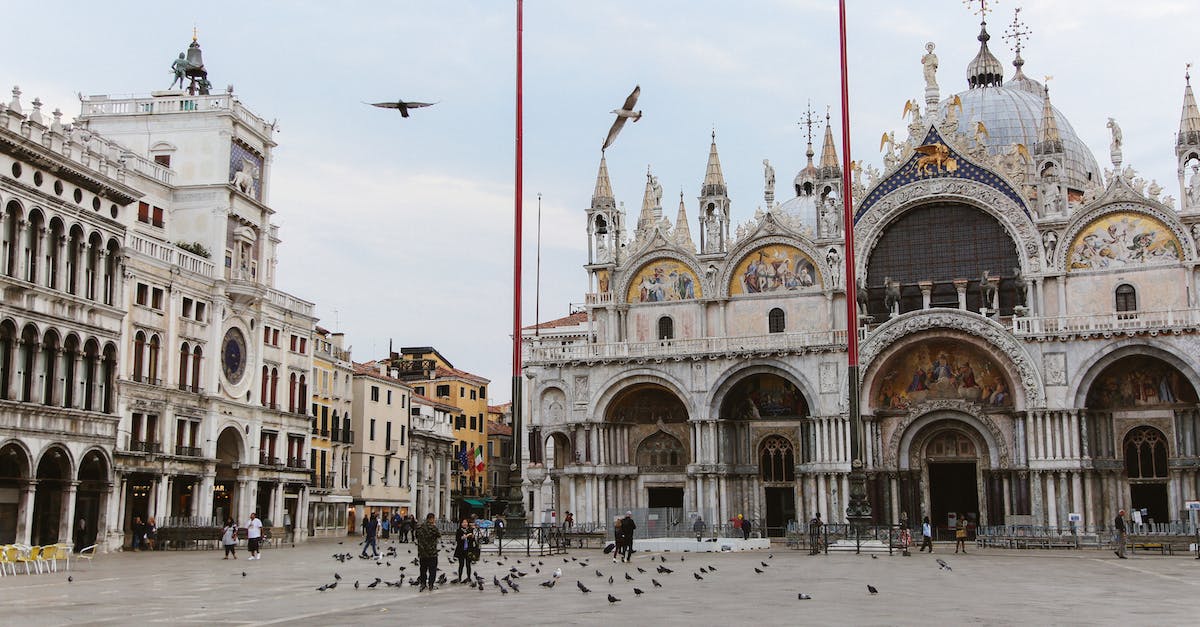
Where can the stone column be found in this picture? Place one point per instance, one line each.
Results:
(202, 496)
(894, 491)
(1035, 497)
(162, 495)
(25, 512)
(960, 285)
(66, 523)
(1006, 488)
(926, 293)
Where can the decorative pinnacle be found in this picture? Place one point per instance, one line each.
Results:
(1016, 34)
(1187, 74)
(194, 33)
(983, 9)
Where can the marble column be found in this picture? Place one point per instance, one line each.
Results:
(66, 524)
(1035, 497)
(1051, 500)
(25, 512)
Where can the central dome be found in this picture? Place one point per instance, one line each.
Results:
(1012, 115)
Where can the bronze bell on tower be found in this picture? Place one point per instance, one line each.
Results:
(195, 68)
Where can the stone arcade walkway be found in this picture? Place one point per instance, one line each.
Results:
(988, 587)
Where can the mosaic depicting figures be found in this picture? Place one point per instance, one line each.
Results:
(774, 268)
(664, 280)
(602, 281)
(940, 369)
(764, 396)
(1123, 239)
(1137, 381)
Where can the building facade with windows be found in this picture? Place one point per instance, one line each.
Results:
(1028, 333)
(379, 478)
(62, 248)
(431, 455)
(499, 456)
(431, 374)
(332, 435)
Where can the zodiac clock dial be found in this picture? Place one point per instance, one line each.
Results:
(233, 355)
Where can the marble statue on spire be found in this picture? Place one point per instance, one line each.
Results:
(930, 64)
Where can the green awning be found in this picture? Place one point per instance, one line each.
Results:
(473, 502)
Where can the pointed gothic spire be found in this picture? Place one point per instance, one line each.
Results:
(985, 69)
(714, 180)
(651, 213)
(829, 158)
(603, 185)
(683, 235)
(1189, 120)
(1049, 141)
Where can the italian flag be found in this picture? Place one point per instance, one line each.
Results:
(479, 459)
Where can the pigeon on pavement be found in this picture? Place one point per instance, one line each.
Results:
(803, 597)
(656, 584)
(613, 599)
(872, 589)
(582, 588)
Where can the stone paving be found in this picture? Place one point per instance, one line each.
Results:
(991, 587)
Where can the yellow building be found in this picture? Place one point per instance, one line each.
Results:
(332, 435)
(432, 375)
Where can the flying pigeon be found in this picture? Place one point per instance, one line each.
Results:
(402, 106)
(613, 599)
(656, 584)
(582, 588)
(626, 112)
(872, 589)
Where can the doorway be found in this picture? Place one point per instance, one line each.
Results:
(781, 509)
(665, 498)
(1151, 497)
(952, 490)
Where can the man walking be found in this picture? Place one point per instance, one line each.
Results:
(814, 534)
(1119, 534)
(926, 535)
(370, 529)
(426, 537)
(254, 536)
(627, 527)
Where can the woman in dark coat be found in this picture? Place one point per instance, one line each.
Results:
(464, 549)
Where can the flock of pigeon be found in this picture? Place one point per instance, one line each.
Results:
(515, 569)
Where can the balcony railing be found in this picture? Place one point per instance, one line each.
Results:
(1107, 324)
(326, 482)
(189, 388)
(691, 346)
(347, 437)
(296, 462)
(324, 433)
(265, 459)
(139, 446)
(336, 434)
(187, 451)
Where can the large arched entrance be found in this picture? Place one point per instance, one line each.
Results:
(651, 422)
(90, 499)
(945, 459)
(225, 486)
(53, 474)
(1137, 400)
(14, 476)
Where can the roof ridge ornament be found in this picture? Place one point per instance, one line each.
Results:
(985, 69)
(1016, 33)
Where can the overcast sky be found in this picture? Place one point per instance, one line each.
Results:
(403, 227)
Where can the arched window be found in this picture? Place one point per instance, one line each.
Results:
(139, 350)
(292, 392)
(776, 460)
(274, 388)
(152, 361)
(302, 407)
(666, 328)
(1146, 454)
(776, 322)
(266, 381)
(197, 355)
(185, 352)
(661, 452)
(1126, 297)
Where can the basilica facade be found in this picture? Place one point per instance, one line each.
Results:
(1028, 332)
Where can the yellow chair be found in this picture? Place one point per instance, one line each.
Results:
(49, 557)
(31, 556)
(8, 556)
(64, 553)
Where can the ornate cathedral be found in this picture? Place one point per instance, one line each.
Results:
(1028, 332)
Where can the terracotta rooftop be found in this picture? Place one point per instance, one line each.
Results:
(500, 409)
(574, 319)
(371, 369)
(496, 428)
(443, 372)
(436, 403)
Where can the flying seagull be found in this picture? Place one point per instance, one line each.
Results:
(624, 113)
(401, 105)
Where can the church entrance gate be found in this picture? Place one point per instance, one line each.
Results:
(781, 509)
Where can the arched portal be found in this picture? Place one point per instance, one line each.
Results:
(53, 473)
(947, 459)
(14, 474)
(90, 499)
(1145, 450)
(230, 449)
(777, 471)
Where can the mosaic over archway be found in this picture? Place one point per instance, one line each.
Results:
(1139, 381)
(663, 280)
(774, 268)
(764, 396)
(646, 403)
(1123, 239)
(941, 369)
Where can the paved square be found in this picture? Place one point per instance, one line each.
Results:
(988, 587)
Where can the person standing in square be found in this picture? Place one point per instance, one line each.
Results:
(1119, 534)
(254, 536)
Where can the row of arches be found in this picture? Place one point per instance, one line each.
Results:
(297, 390)
(52, 494)
(46, 251)
(56, 368)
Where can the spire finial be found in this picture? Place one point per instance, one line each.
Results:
(1016, 34)
(983, 9)
(1187, 74)
(195, 33)
(808, 123)
(984, 70)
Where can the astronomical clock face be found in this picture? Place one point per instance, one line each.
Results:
(233, 355)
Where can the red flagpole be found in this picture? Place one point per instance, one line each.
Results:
(516, 507)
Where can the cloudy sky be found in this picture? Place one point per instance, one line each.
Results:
(402, 229)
